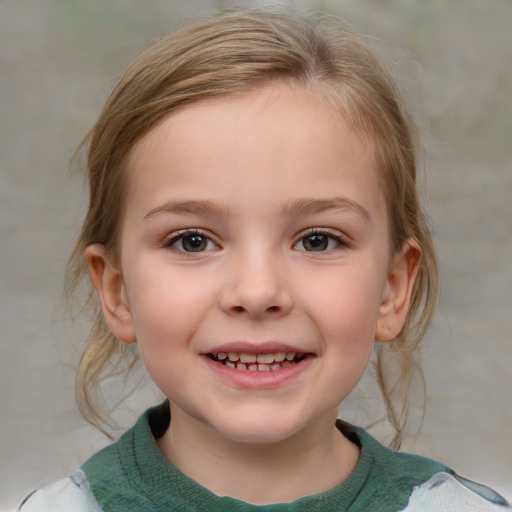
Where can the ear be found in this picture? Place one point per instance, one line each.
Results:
(397, 294)
(109, 284)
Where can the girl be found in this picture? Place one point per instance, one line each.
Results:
(254, 228)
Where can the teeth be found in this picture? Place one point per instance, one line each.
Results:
(279, 357)
(257, 362)
(265, 358)
(247, 358)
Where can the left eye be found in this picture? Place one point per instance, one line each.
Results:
(318, 242)
(192, 242)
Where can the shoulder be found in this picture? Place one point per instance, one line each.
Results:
(393, 469)
(445, 492)
(71, 494)
(411, 483)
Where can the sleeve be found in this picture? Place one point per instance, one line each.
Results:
(444, 492)
(70, 494)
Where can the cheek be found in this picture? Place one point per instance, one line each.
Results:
(345, 306)
(166, 307)
(165, 318)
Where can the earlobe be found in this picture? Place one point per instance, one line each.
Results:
(397, 294)
(109, 284)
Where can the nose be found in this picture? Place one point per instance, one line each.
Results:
(256, 286)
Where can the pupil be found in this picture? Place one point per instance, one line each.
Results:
(316, 242)
(194, 243)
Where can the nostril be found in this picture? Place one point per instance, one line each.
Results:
(270, 309)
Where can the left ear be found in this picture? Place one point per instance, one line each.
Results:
(397, 293)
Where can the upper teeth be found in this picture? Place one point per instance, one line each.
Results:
(268, 358)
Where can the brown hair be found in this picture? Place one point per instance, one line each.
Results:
(229, 54)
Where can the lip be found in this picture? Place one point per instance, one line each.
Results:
(267, 347)
(258, 379)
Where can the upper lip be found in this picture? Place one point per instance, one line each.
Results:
(267, 347)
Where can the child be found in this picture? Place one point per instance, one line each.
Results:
(254, 227)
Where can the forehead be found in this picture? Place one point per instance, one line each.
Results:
(277, 136)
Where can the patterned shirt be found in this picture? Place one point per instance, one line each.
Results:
(132, 474)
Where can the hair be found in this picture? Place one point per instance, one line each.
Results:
(234, 53)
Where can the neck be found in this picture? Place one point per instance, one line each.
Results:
(312, 461)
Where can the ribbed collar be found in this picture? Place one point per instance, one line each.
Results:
(166, 488)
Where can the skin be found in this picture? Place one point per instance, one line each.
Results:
(253, 175)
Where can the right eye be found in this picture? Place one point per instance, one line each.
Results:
(191, 241)
(317, 240)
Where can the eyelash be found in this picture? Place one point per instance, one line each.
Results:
(340, 240)
(182, 235)
(191, 232)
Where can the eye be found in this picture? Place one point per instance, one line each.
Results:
(319, 241)
(191, 241)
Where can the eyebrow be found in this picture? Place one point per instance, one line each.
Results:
(306, 206)
(191, 208)
(297, 207)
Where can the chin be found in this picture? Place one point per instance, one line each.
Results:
(258, 429)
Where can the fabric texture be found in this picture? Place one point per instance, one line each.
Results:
(70, 494)
(132, 474)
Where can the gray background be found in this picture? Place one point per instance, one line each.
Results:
(58, 61)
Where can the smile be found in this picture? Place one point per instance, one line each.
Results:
(257, 362)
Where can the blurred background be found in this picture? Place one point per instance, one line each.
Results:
(59, 59)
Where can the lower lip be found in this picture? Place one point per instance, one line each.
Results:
(258, 379)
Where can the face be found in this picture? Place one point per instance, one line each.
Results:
(255, 271)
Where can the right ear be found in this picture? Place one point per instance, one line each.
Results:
(109, 283)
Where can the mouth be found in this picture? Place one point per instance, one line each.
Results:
(268, 362)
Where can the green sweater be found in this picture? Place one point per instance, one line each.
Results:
(133, 475)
